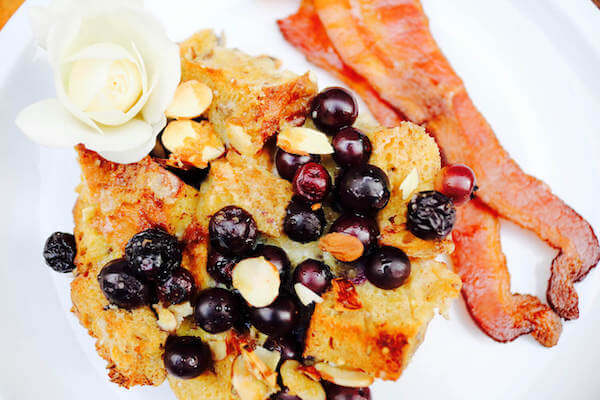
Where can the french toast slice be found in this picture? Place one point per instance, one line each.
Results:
(252, 97)
(116, 202)
(377, 331)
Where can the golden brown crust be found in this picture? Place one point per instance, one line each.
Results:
(380, 336)
(248, 92)
(115, 202)
(245, 182)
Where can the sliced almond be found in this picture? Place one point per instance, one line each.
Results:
(218, 349)
(342, 246)
(306, 295)
(245, 383)
(257, 280)
(166, 319)
(303, 141)
(311, 372)
(262, 363)
(298, 383)
(344, 376)
(240, 140)
(269, 357)
(192, 142)
(191, 99)
(410, 183)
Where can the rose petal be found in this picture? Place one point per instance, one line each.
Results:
(42, 18)
(162, 60)
(131, 155)
(102, 51)
(117, 117)
(60, 38)
(167, 81)
(136, 154)
(47, 122)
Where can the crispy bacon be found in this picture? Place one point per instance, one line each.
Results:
(479, 261)
(305, 31)
(389, 44)
(499, 314)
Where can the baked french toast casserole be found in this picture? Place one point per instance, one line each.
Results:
(231, 263)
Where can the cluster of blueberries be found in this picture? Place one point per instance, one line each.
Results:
(151, 271)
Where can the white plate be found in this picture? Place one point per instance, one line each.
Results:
(531, 67)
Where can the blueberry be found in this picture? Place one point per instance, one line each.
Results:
(276, 319)
(216, 310)
(352, 148)
(302, 223)
(363, 228)
(186, 357)
(312, 182)
(233, 231)
(60, 251)
(153, 254)
(219, 266)
(287, 346)
(313, 274)
(430, 215)
(287, 163)
(190, 175)
(387, 268)
(364, 189)
(177, 288)
(121, 286)
(335, 392)
(334, 108)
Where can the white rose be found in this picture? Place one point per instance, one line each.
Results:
(115, 73)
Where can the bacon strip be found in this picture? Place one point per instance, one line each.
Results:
(497, 312)
(389, 44)
(480, 262)
(305, 31)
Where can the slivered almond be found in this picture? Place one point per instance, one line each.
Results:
(306, 295)
(257, 280)
(298, 383)
(262, 364)
(344, 376)
(342, 246)
(245, 383)
(303, 141)
(191, 99)
(410, 183)
(240, 140)
(192, 142)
